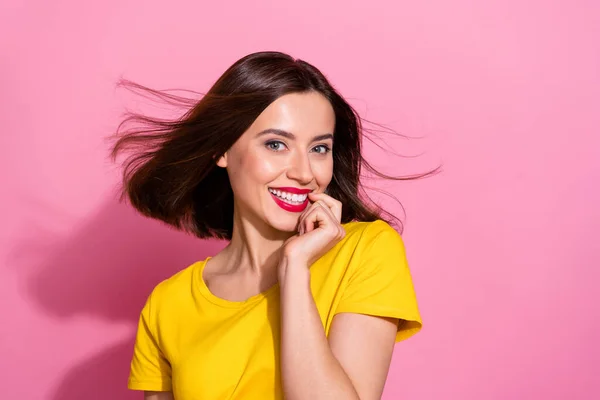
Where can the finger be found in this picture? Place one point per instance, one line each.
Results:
(320, 206)
(334, 218)
(299, 227)
(327, 209)
(306, 219)
(303, 214)
(317, 216)
(308, 225)
(325, 220)
(325, 223)
(302, 217)
(334, 205)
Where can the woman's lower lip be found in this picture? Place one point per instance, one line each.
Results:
(290, 207)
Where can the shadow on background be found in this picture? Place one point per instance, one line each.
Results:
(106, 270)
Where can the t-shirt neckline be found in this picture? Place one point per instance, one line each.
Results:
(205, 291)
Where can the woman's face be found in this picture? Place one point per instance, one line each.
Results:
(285, 154)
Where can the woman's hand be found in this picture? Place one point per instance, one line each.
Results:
(319, 229)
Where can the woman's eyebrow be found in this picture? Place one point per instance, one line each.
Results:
(290, 135)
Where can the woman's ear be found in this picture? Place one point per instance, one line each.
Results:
(222, 161)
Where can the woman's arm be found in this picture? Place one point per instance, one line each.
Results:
(355, 362)
(352, 365)
(308, 368)
(158, 396)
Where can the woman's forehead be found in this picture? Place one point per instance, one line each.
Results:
(302, 114)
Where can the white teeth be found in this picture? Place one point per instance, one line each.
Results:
(289, 197)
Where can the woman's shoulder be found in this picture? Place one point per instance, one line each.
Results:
(368, 230)
(374, 236)
(176, 286)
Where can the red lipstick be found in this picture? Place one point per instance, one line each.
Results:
(293, 190)
(291, 207)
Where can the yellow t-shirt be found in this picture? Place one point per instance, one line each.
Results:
(200, 346)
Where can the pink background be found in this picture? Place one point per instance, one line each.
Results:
(503, 245)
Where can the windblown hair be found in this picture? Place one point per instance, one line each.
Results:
(170, 173)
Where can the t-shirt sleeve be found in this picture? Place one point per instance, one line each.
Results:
(380, 283)
(150, 369)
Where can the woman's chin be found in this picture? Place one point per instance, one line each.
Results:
(288, 226)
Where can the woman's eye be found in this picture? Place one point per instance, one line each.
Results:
(322, 149)
(275, 146)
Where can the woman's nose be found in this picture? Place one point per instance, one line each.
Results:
(300, 169)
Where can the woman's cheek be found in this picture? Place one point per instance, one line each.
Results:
(323, 172)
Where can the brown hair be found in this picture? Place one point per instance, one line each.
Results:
(171, 172)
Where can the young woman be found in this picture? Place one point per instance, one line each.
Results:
(313, 289)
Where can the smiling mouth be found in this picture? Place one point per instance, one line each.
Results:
(289, 198)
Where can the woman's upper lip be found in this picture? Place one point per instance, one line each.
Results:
(293, 190)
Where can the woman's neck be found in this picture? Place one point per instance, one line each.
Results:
(254, 247)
